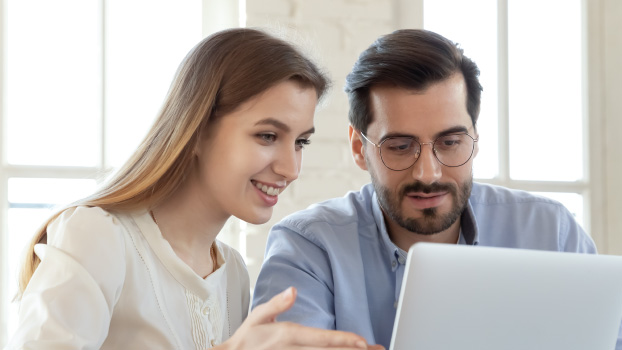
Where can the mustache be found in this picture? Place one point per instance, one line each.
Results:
(419, 186)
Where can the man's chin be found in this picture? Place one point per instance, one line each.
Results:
(423, 216)
(427, 221)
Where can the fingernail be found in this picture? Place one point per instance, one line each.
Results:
(361, 344)
(287, 294)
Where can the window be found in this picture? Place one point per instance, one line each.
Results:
(532, 120)
(82, 83)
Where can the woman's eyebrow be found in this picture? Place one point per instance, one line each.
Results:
(282, 126)
(276, 123)
(310, 131)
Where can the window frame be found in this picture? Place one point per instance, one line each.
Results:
(584, 186)
(215, 16)
(591, 187)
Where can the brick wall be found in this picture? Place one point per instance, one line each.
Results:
(333, 33)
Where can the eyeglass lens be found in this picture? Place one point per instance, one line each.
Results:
(399, 153)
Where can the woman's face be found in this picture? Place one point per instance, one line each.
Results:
(249, 156)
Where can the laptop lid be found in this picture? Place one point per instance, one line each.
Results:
(483, 298)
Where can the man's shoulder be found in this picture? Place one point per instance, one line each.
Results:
(491, 195)
(513, 218)
(353, 209)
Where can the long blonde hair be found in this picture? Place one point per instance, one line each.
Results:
(218, 74)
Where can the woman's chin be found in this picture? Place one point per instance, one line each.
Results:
(258, 219)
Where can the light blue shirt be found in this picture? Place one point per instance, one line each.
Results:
(348, 272)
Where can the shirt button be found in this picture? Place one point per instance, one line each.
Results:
(206, 311)
(393, 263)
(395, 305)
(401, 260)
(213, 343)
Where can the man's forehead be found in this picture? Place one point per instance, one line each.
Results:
(438, 109)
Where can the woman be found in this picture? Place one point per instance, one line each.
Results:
(137, 264)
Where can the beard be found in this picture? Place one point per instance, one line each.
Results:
(432, 221)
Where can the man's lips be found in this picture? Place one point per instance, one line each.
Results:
(426, 200)
(426, 195)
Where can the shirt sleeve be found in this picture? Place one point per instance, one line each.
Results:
(69, 301)
(293, 260)
(573, 238)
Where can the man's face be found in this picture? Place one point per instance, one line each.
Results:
(428, 197)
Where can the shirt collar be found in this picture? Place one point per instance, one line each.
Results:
(469, 234)
(392, 251)
(468, 226)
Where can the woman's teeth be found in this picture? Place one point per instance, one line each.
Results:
(270, 191)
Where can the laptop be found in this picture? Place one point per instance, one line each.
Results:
(483, 298)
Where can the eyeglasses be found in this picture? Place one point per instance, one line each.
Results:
(402, 152)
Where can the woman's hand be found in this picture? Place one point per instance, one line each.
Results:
(261, 331)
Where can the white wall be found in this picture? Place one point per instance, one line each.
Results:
(336, 31)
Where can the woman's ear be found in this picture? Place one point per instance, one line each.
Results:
(196, 150)
(199, 143)
(357, 147)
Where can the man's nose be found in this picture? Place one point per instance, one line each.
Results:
(427, 168)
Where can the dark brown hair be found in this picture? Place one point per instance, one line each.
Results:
(411, 59)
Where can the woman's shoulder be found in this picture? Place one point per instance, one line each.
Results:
(84, 257)
(82, 213)
(86, 225)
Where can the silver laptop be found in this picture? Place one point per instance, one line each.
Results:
(482, 298)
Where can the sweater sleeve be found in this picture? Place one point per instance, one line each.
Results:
(69, 301)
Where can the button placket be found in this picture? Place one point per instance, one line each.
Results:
(207, 307)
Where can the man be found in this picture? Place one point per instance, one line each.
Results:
(414, 102)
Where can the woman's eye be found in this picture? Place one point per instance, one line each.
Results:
(301, 143)
(268, 138)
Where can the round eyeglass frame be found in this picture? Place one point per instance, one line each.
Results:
(378, 146)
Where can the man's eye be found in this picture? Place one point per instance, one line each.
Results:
(399, 145)
(449, 142)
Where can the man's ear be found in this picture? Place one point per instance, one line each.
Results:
(357, 148)
(475, 147)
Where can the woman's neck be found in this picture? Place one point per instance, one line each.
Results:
(190, 227)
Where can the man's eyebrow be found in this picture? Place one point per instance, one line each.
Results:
(282, 126)
(453, 130)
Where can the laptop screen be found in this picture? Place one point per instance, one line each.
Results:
(483, 298)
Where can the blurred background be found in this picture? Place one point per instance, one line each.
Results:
(82, 80)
